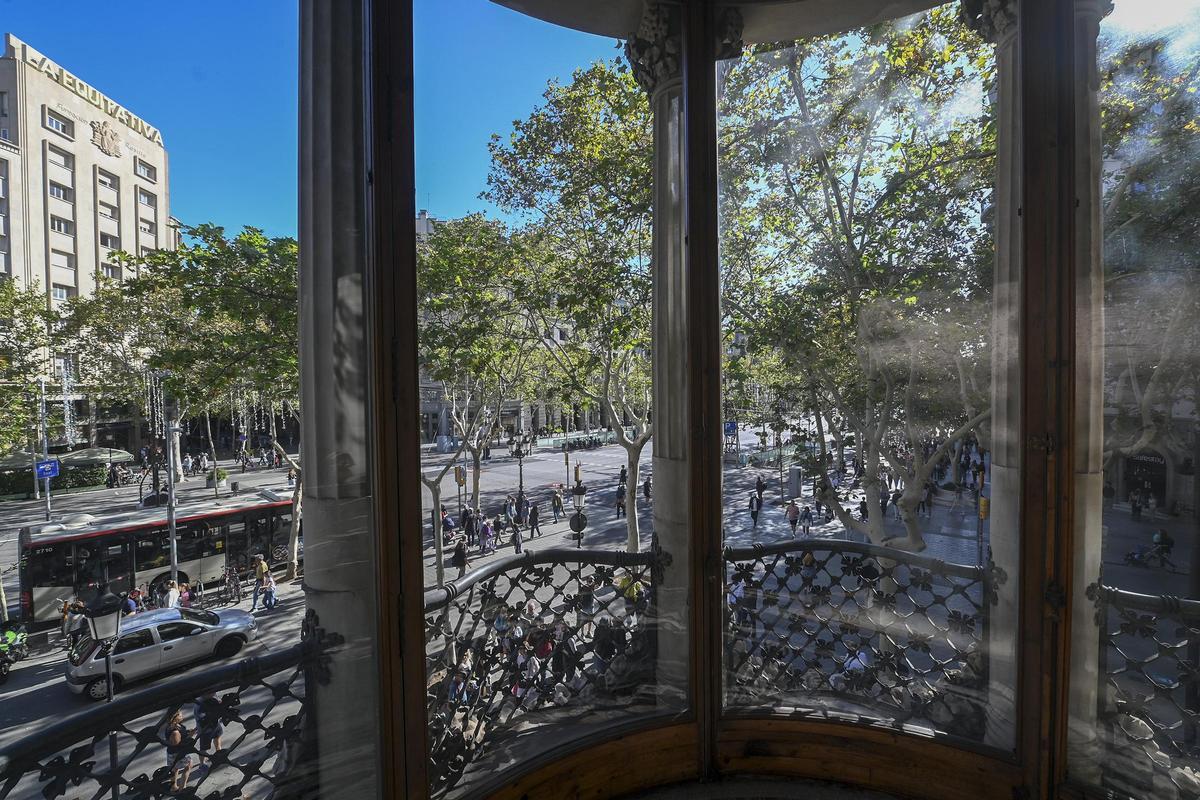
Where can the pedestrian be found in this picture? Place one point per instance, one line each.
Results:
(172, 596)
(755, 506)
(1152, 505)
(291, 479)
(896, 502)
(556, 504)
(209, 725)
(620, 499)
(470, 523)
(179, 744)
(510, 512)
(806, 520)
(863, 510)
(459, 558)
(534, 516)
(759, 487)
(1135, 504)
(486, 545)
(260, 570)
(522, 508)
(516, 538)
(269, 590)
(793, 516)
(624, 474)
(646, 487)
(921, 505)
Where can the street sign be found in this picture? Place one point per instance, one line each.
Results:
(47, 469)
(731, 428)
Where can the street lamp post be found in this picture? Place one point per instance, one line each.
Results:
(172, 429)
(104, 623)
(579, 499)
(518, 448)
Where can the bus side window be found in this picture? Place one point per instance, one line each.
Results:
(50, 565)
(191, 543)
(153, 550)
(281, 533)
(214, 541)
(260, 533)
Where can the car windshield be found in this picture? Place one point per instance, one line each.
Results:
(81, 649)
(193, 615)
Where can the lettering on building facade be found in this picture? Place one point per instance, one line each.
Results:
(90, 94)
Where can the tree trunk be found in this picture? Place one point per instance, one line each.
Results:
(435, 490)
(476, 469)
(633, 455)
(93, 435)
(294, 533)
(212, 450)
(177, 456)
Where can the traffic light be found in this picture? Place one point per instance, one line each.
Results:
(460, 475)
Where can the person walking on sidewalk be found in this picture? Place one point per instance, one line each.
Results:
(620, 500)
(459, 559)
(624, 477)
(556, 504)
(516, 538)
(759, 487)
(534, 517)
(646, 488)
(806, 520)
(755, 508)
(793, 516)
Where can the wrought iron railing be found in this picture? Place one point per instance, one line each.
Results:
(558, 637)
(1148, 699)
(266, 746)
(856, 631)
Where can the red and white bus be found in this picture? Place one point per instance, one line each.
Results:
(74, 556)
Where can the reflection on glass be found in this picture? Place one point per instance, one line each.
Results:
(865, 315)
(1135, 685)
(552, 607)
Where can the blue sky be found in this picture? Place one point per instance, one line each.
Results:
(219, 79)
(480, 66)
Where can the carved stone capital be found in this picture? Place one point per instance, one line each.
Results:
(994, 20)
(729, 34)
(655, 51)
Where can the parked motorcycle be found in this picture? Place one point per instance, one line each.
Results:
(14, 646)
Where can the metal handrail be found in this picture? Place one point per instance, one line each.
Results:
(754, 551)
(22, 755)
(440, 596)
(1152, 603)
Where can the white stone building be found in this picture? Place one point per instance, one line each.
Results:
(81, 176)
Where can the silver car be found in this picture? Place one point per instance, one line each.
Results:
(154, 642)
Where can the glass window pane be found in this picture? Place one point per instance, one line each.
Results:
(870, 413)
(1135, 692)
(540, 357)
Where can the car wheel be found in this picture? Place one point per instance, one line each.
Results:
(229, 646)
(98, 689)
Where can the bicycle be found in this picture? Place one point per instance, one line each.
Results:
(232, 590)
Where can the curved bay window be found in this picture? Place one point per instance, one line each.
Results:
(802, 391)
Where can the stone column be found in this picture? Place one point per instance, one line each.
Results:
(655, 54)
(996, 21)
(338, 533)
(1083, 745)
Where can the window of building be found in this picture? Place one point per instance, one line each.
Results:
(146, 226)
(107, 179)
(146, 198)
(61, 293)
(110, 241)
(3, 104)
(61, 192)
(60, 157)
(59, 123)
(107, 210)
(62, 260)
(147, 250)
(111, 271)
(4, 134)
(144, 170)
(60, 225)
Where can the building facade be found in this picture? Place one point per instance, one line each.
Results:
(81, 176)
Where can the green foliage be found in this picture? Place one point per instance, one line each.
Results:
(21, 481)
(24, 344)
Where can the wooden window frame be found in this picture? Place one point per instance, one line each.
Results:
(705, 743)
